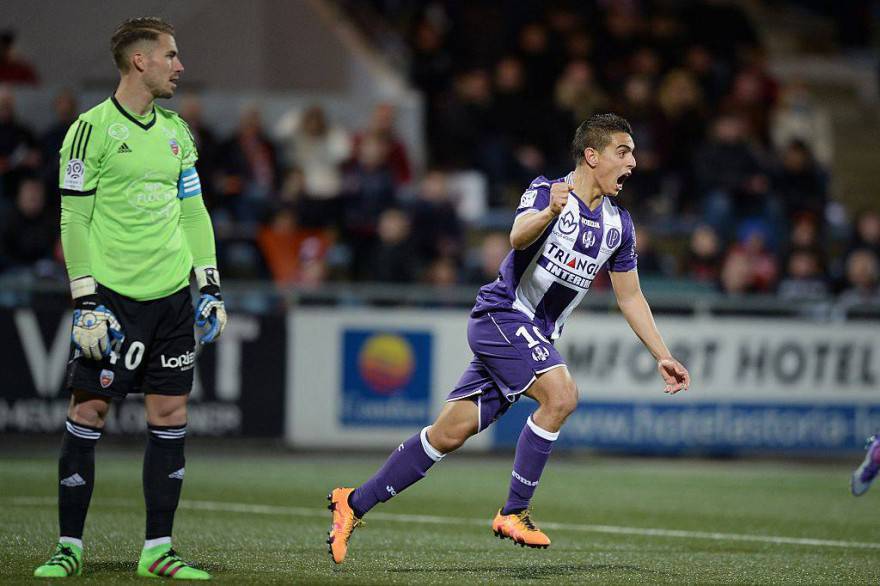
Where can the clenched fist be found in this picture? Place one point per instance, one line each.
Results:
(559, 197)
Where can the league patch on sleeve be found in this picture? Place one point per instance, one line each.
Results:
(528, 198)
(74, 175)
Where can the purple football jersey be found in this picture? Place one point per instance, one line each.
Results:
(548, 279)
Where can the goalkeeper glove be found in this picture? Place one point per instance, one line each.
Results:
(210, 312)
(95, 329)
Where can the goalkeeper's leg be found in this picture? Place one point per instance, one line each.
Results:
(76, 476)
(164, 467)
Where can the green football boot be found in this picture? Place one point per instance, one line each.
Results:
(65, 562)
(163, 562)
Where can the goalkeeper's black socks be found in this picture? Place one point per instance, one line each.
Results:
(76, 477)
(163, 477)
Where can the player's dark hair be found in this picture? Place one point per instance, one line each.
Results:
(595, 132)
(147, 28)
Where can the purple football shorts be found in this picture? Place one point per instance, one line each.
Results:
(509, 354)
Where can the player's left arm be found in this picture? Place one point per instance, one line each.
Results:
(635, 308)
(195, 223)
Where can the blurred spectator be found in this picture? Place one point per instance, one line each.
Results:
(801, 183)
(14, 69)
(730, 177)
(293, 254)
(862, 274)
(206, 143)
(248, 169)
(392, 259)
(703, 259)
(441, 273)
(369, 185)
(639, 108)
(867, 232)
(30, 229)
(539, 58)
(382, 125)
(65, 107)
(492, 252)
(431, 65)
(437, 229)
(804, 278)
(18, 147)
(464, 121)
(650, 261)
(798, 117)
(312, 145)
(683, 124)
(578, 94)
(752, 98)
(749, 266)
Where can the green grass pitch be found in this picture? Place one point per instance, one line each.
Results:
(259, 517)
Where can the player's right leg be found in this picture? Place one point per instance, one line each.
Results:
(406, 465)
(76, 476)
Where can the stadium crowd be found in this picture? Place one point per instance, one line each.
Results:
(731, 191)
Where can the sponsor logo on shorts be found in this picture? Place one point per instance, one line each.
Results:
(540, 354)
(106, 378)
(183, 362)
(391, 490)
(523, 480)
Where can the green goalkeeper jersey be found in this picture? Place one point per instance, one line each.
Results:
(135, 172)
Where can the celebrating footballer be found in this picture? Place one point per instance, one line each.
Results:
(565, 231)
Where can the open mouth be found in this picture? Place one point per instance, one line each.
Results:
(622, 179)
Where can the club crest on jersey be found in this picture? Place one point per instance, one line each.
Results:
(175, 148)
(612, 238)
(540, 354)
(106, 378)
(568, 223)
(589, 238)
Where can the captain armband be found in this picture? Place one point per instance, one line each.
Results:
(189, 185)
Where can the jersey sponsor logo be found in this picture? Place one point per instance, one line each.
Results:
(612, 238)
(123, 148)
(175, 148)
(118, 131)
(184, 362)
(589, 238)
(568, 267)
(568, 222)
(590, 223)
(74, 175)
(528, 198)
(106, 378)
(153, 196)
(540, 354)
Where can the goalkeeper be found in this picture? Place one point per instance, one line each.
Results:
(133, 228)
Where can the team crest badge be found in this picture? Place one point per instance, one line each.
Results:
(106, 378)
(175, 148)
(540, 354)
(589, 239)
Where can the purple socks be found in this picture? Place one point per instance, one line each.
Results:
(404, 467)
(532, 453)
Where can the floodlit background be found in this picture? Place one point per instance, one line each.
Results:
(361, 161)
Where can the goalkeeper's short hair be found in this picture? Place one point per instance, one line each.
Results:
(146, 28)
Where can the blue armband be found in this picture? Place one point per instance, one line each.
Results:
(189, 185)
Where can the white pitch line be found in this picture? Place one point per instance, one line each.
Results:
(254, 509)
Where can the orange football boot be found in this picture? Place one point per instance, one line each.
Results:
(344, 523)
(520, 529)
